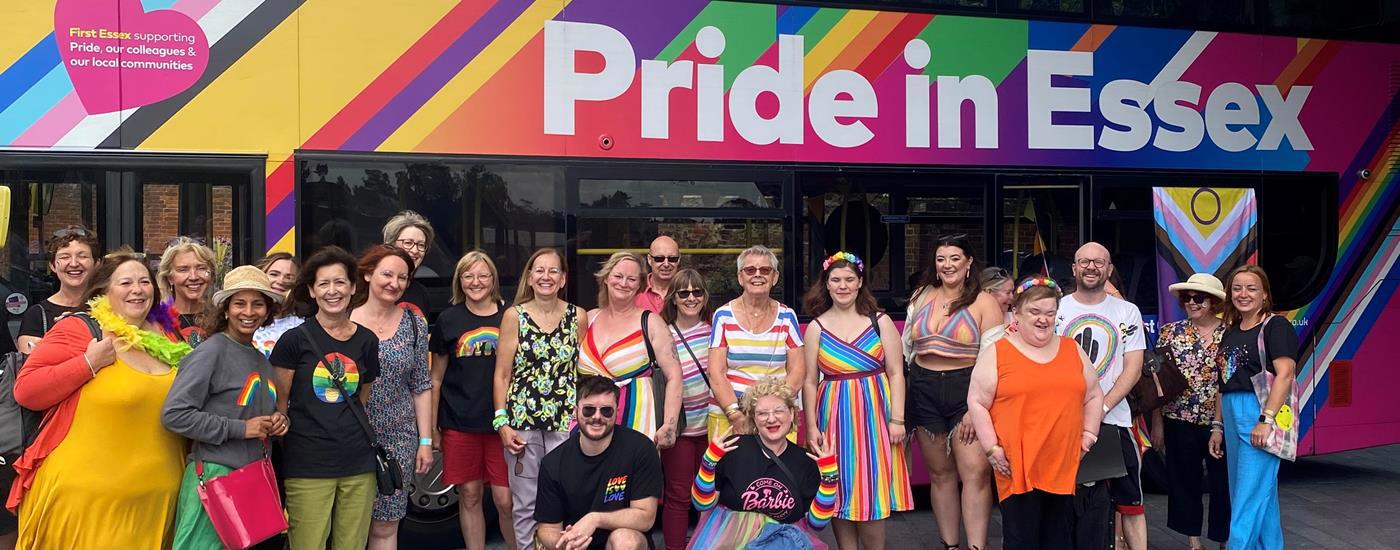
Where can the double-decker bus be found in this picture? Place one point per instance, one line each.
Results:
(595, 125)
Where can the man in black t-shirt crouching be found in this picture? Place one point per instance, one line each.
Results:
(600, 488)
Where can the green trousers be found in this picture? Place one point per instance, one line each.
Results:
(339, 507)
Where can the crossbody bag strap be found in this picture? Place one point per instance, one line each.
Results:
(646, 337)
(779, 461)
(1263, 348)
(691, 352)
(350, 400)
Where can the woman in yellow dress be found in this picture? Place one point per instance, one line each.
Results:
(103, 472)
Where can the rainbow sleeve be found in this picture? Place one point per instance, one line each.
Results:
(703, 492)
(824, 506)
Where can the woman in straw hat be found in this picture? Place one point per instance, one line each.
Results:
(223, 399)
(1181, 428)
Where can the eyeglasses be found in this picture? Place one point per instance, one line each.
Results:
(1086, 262)
(756, 270)
(778, 412)
(540, 271)
(71, 231)
(471, 277)
(665, 259)
(410, 244)
(1194, 298)
(589, 410)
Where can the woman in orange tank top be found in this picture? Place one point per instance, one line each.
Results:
(1036, 405)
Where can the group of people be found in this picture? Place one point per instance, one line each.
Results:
(588, 424)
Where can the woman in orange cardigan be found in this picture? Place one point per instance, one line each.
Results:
(103, 472)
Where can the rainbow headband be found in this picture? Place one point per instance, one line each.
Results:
(1037, 281)
(847, 256)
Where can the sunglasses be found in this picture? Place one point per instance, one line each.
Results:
(666, 259)
(590, 410)
(1194, 297)
(687, 294)
(71, 231)
(754, 270)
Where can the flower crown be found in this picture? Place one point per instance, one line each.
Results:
(1037, 281)
(847, 256)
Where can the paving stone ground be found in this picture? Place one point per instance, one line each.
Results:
(1342, 501)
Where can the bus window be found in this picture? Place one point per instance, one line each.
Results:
(1122, 222)
(42, 203)
(195, 204)
(948, 211)
(505, 209)
(1040, 226)
(711, 218)
(1298, 235)
(851, 222)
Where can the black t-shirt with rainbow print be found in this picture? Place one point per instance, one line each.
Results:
(469, 342)
(324, 439)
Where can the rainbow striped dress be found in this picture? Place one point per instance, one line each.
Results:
(853, 410)
(627, 364)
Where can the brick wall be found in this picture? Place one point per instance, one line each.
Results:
(161, 216)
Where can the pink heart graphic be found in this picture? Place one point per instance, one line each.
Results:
(120, 56)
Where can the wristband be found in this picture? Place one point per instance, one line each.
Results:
(733, 407)
(425, 441)
(1106, 408)
(89, 366)
(499, 422)
(992, 450)
(897, 421)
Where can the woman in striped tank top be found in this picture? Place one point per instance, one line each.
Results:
(943, 329)
(619, 347)
(755, 337)
(687, 311)
(857, 409)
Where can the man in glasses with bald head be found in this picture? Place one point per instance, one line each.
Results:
(663, 261)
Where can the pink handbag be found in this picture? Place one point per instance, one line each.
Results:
(244, 505)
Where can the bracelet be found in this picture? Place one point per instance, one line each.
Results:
(733, 407)
(425, 441)
(897, 421)
(1106, 408)
(499, 422)
(1217, 423)
(1217, 429)
(89, 365)
(992, 450)
(498, 412)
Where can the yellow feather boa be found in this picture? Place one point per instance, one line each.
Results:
(130, 336)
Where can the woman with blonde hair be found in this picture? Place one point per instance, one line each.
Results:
(410, 231)
(186, 275)
(762, 485)
(623, 343)
(463, 344)
(536, 374)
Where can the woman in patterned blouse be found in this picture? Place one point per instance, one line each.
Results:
(535, 377)
(1181, 428)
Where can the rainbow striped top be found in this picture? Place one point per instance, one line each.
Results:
(693, 348)
(754, 356)
(627, 364)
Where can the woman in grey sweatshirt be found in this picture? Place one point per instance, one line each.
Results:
(223, 398)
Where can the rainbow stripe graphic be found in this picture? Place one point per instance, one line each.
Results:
(478, 342)
(322, 384)
(1085, 326)
(251, 385)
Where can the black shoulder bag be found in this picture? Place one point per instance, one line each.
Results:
(388, 476)
(658, 380)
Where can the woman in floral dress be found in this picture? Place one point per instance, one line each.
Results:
(400, 405)
(535, 376)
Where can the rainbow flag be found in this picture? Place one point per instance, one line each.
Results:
(1201, 230)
